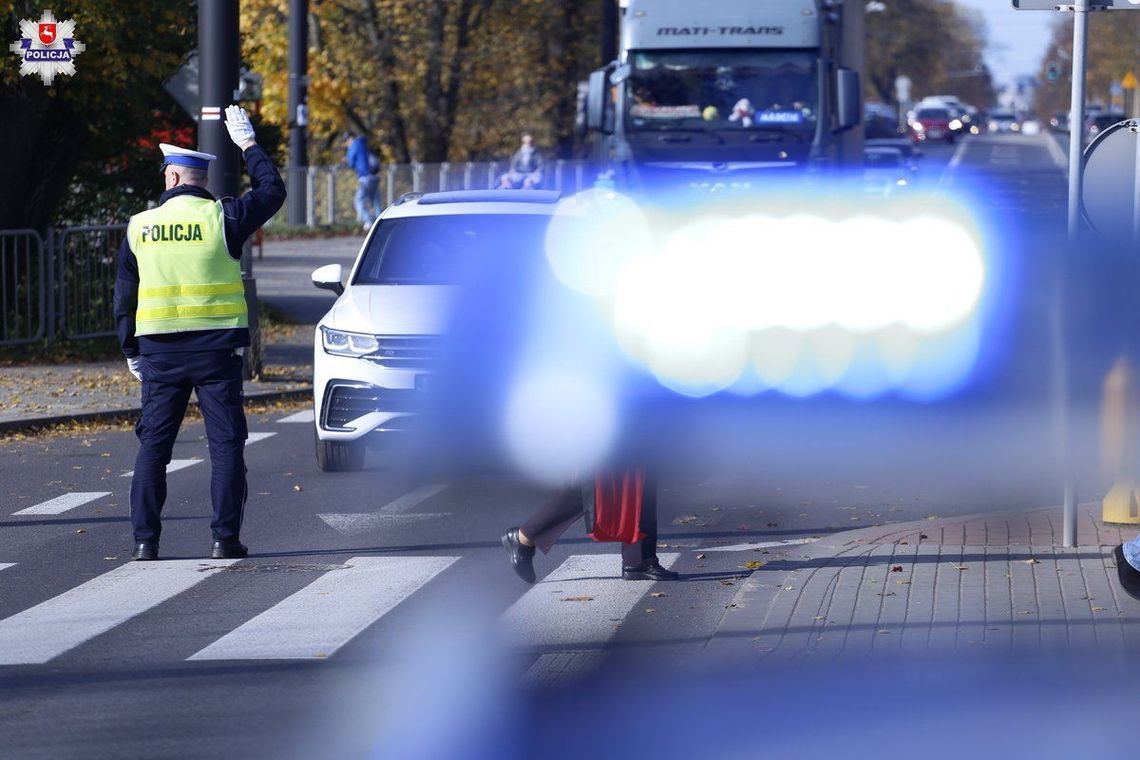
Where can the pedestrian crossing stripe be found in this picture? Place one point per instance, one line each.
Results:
(6, 565)
(46, 631)
(255, 437)
(321, 618)
(305, 415)
(328, 613)
(551, 615)
(63, 503)
(174, 466)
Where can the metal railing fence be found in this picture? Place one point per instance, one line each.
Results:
(23, 291)
(86, 260)
(330, 190)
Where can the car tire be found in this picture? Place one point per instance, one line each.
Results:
(339, 456)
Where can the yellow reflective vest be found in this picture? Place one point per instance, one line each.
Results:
(187, 278)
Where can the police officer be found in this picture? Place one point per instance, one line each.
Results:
(182, 322)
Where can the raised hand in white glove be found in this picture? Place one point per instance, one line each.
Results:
(239, 127)
(134, 364)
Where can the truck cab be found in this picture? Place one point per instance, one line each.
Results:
(722, 92)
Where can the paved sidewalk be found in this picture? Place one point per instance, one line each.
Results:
(993, 583)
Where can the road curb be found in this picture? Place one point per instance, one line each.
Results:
(115, 415)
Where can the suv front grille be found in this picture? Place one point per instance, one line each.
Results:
(345, 403)
(406, 351)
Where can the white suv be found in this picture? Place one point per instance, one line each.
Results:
(373, 351)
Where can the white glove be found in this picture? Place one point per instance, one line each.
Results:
(237, 123)
(134, 364)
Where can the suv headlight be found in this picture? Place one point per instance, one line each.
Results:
(340, 343)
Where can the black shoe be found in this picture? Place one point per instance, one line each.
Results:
(649, 570)
(1129, 576)
(232, 549)
(145, 551)
(521, 555)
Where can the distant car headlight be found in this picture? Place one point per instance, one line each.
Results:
(1015, 127)
(993, 126)
(974, 130)
(955, 125)
(339, 343)
(918, 127)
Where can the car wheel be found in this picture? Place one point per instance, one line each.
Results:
(339, 456)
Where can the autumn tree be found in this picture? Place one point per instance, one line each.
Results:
(76, 151)
(430, 80)
(1114, 50)
(936, 43)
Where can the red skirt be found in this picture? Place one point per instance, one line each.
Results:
(614, 512)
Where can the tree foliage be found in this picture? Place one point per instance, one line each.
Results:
(936, 43)
(75, 151)
(430, 80)
(1114, 50)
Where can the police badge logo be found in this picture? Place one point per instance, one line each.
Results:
(47, 47)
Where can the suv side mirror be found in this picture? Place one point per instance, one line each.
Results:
(328, 278)
(597, 92)
(848, 100)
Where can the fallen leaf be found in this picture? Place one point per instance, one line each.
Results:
(753, 564)
(1032, 561)
(726, 583)
(922, 536)
(298, 488)
(1098, 609)
(577, 598)
(903, 583)
(896, 568)
(657, 594)
(80, 530)
(700, 556)
(651, 609)
(110, 558)
(820, 617)
(958, 567)
(685, 520)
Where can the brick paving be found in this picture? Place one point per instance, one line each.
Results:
(993, 583)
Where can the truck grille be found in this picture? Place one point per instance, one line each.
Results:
(406, 351)
(344, 403)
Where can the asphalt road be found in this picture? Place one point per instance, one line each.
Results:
(369, 594)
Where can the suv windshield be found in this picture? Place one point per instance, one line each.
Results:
(442, 249)
(722, 89)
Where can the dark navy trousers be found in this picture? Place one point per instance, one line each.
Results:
(168, 379)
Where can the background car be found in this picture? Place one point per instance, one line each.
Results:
(1097, 123)
(934, 124)
(1003, 122)
(375, 351)
(886, 171)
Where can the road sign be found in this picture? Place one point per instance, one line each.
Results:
(1110, 195)
(1129, 82)
(902, 88)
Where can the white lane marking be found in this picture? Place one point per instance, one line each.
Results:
(328, 613)
(576, 606)
(305, 415)
(174, 466)
(354, 523)
(955, 161)
(61, 504)
(1059, 157)
(62, 623)
(255, 437)
(6, 565)
(760, 545)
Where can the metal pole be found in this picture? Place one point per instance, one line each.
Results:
(851, 55)
(330, 200)
(298, 108)
(1076, 145)
(609, 37)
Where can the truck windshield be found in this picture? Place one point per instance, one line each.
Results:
(723, 89)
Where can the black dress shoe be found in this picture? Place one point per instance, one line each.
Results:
(521, 555)
(649, 570)
(1129, 576)
(232, 549)
(145, 551)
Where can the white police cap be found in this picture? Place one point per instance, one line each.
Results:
(172, 154)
